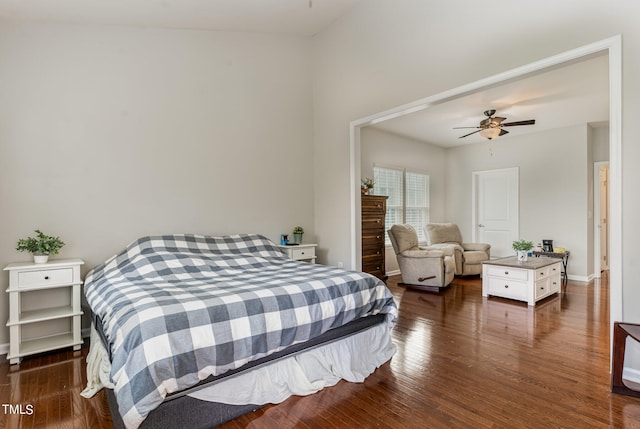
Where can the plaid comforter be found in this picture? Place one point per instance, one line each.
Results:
(179, 308)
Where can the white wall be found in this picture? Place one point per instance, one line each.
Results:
(391, 150)
(111, 133)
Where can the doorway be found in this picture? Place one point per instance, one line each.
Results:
(613, 48)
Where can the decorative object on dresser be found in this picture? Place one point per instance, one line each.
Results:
(44, 307)
(302, 252)
(366, 185)
(41, 246)
(421, 268)
(374, 209)
(528, 281)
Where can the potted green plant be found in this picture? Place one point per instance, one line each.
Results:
(297, 234)
(41, 246)
(366, 185)
(522, 248)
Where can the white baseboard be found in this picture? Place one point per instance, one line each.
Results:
(585, 279)
(393, 273)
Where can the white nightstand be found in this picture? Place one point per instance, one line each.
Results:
(44, 307)
(302, 252)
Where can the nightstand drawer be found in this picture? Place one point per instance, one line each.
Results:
(29, 279)
(304, 253)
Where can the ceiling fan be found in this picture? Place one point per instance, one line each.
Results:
(492, 127)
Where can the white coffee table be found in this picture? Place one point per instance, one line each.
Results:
(527, 281)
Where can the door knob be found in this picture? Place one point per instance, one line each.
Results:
(480, 225)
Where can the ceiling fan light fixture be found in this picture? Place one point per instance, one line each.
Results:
(490, 133)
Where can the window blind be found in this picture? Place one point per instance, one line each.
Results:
(408, 200)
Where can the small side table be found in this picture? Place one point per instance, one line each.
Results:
(44, 307)
(302, 252)
(559, 255)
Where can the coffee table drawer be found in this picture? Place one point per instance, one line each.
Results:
(508, 272)
(508, 288)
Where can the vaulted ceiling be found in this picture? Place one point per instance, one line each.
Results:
(297, 17)
(567, 96)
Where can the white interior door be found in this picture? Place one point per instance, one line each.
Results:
(601, 205)
(496, 209)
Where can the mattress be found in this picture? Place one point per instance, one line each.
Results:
(179, 310)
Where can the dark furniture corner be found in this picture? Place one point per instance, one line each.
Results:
(620, 333)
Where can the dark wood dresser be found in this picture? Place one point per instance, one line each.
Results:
(374, 208)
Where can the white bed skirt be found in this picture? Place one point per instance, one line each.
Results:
(352, 358)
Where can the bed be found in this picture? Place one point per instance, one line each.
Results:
(192, 331)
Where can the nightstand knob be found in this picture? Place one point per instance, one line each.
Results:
(46, 277)
(506, 286)
(506, 273)
(378, 237)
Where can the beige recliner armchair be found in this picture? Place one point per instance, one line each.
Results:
(468, 256)
(420, 268)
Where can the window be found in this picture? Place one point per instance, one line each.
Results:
(408, 202)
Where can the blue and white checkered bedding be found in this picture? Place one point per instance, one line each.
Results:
(178, 308)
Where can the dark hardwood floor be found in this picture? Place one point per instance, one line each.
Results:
(462, 362)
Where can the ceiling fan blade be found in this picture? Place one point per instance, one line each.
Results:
(503, 132)
(510, 124)
(469, 134)
(497, 120)
(461, 128)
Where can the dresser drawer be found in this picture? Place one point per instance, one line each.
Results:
(508, 288)
(372, 240)
(304, 253)
(373, 204)
(41, 278)
(371, 223)
(368, 252)
(372, 263)
(507, 272)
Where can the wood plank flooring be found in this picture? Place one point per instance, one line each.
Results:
(462, 362)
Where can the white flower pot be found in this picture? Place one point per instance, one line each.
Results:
(40, 259)
(522, 255)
